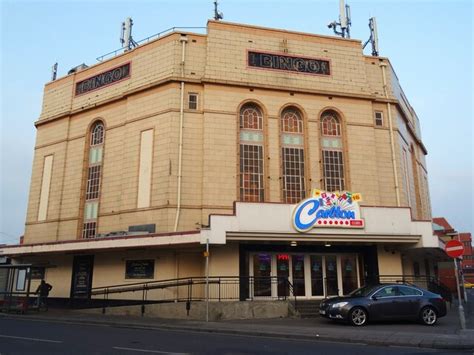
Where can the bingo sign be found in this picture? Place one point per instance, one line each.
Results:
(328, 210)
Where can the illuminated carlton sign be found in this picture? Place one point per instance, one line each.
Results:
(328, 209)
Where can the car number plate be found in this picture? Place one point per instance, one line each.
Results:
(322, 311)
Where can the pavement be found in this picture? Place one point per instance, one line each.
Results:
(445, 335)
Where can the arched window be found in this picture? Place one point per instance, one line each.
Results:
(94, 174)
(332, 152)
(292, 155)
(251, 166)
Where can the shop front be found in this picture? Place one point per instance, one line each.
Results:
(324, 246)
(312, 275)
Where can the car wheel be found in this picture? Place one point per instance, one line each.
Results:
(428, 316)
(358, 316)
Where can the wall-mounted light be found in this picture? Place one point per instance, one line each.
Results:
(293, 243)
(327, 244)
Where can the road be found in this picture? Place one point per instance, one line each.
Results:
(46, 337)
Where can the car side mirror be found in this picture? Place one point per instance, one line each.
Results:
(374, 298)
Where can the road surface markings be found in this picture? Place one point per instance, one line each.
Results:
(31, 339)
(148, 351)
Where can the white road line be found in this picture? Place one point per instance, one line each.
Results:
(31, 339)
(148, 351)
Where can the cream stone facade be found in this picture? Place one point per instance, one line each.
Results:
(170, 159)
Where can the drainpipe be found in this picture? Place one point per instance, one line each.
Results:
(183, 41)
(383, 65)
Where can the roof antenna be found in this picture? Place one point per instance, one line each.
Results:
(54, 71)
(217, 14)
(344, 21)
(126, 35)
(374, 37)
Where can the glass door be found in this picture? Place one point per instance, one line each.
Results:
(317, 275)
(349, 273)
(262, 266)
(298, 274)
(283, 272)
(332, 288)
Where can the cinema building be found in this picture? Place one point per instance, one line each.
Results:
(292, 154)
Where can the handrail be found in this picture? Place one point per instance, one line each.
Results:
(148, 39)
(184, 289)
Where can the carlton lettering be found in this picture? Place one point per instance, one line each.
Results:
(328, 209)
(288, 63)
(103, 79)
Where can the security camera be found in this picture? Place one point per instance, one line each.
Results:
(330, 24)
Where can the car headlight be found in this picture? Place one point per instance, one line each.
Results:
(339, 304)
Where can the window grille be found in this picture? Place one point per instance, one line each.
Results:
(293, 175)
(333, 170)
(97, 134)
(332, 153)
(292, 155)
(291, 121)
(251, 167)
(89, 230)
(251, 173)
(193, 101)
(330, 125)
(94, 174)
(251, 117)
(93, 182)
(378, 118)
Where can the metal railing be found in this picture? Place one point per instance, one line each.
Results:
(148, 39)
(221, 288)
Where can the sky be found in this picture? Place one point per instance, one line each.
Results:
(429, 43)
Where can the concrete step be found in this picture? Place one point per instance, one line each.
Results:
(308, 309)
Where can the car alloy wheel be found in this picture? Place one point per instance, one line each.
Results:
(358, 316)
(428, 316)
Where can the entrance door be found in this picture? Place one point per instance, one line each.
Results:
(262, 268)
(332, 288)
(349, 273)
(283, 272)
(298, 274)
(317, 275)
(81, 283)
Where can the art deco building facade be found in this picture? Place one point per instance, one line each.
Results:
(191, 137)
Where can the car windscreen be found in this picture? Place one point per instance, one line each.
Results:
(364, 291)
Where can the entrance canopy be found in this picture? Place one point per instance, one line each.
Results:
(101, 244)
(275, 222)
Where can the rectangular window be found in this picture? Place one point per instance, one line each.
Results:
(93, 182)
(140, 269)
(193, 101)
(37, 272)
(378, 118)
(333, 169)
(88, 230)
(251, 173)
(293, 175)
(407, 178)
(21, 280)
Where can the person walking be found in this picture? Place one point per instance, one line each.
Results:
(43, 292)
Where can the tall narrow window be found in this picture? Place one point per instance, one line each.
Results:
(292, 155)
(94, 175)
(332, 152)
(251, 154)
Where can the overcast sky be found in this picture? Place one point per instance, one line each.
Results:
(428, 42)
